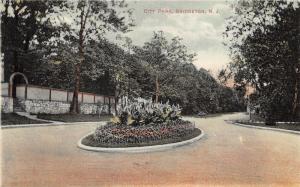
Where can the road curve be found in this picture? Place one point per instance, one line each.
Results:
(227, 155)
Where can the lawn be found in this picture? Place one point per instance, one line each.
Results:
(75, 117)
(15, 119)
(210, 115)
(287, 126)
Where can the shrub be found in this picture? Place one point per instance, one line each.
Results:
(144, 112)
(126, 134)
(142, 122)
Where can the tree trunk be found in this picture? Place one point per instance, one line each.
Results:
(156, 89)
(295, 102)
(16, 45)
(116, 99)
(116, 105)
(74, 109)
(297, 68)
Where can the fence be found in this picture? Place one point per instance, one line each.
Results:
(53, 94)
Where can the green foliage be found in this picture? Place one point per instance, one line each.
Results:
(47, 51)
(265, 54)
(23, 24)
(179, 80)
(163, 58)
(110, 70)
(143, 112)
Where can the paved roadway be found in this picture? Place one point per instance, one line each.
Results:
(228, 155)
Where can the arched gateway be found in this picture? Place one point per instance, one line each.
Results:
(11, 85)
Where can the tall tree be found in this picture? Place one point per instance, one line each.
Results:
(88, 20)
(163, 57)
(23, 22)
(264, 40)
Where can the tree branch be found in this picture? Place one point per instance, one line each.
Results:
(85, 19)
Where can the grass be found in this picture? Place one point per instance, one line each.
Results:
(286, 126)
(90, 141)
(211, 115)
(15, 119)
(75, 117)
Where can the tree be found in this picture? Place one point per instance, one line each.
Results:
(264, 41)
(174, 78)
(162, 58)
(223, 76)
(87, 21)
(22, 23)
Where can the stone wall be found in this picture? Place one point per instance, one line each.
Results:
(59, 107)
(87, 108)
(42, 106)
(4, 89)
(7, 104)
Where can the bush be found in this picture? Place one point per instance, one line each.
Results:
(144, 122)
(144, 112)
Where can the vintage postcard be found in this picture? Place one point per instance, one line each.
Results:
(150, 93)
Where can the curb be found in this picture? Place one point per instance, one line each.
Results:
(265, 128)
(48, 124)
(143, 149)
(279, 122)
(34, 117)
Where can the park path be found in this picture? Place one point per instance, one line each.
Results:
(228, 155)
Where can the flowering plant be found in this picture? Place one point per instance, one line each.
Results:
(126, 134)
(142, 121)
(144, 112)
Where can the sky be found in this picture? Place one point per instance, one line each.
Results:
(201, 31)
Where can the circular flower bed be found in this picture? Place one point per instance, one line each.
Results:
(143, 124)
(112, 135)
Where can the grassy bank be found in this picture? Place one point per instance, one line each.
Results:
(75, 117)
(210, 115)
(15, 119)
(286, 126)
